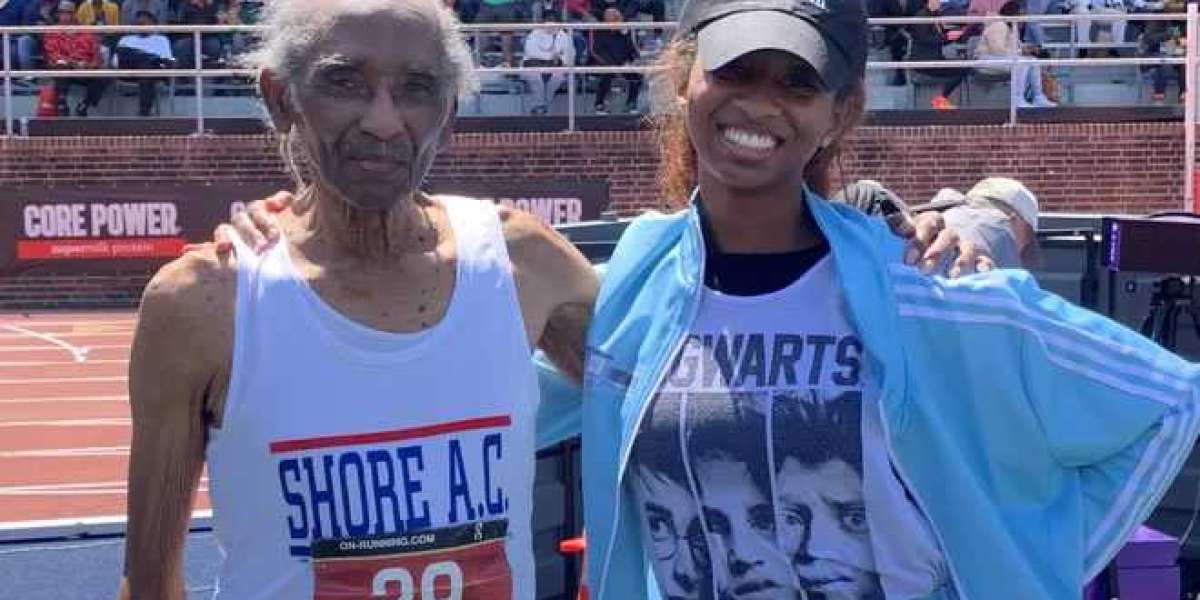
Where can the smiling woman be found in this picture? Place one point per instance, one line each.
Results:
(787, 411)
(678, 164)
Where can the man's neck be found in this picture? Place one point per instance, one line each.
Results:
(369, 235)
(758, 221)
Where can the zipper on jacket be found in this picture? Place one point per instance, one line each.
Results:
(660, 375)
(899, 470)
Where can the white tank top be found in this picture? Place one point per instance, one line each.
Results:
(356, 463)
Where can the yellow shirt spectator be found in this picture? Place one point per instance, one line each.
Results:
(98, 12)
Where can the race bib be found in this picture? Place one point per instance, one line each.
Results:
(465, 562)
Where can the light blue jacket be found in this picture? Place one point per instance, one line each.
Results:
(1035, 435)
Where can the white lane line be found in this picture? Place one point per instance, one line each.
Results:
(101, 422)
(76, 334)
(31, 380)
(79, 353)
(81, 322)
(55, 363)
(95, 488)
(42, 348)
(17, 531)
(67, 452)
(41, 400)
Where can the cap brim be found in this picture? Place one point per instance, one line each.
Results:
(730, 37)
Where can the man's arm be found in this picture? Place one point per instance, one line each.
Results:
(557, 288)
(177, 378)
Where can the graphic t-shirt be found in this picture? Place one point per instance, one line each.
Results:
(760, 469)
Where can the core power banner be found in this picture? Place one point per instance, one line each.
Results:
(104, 229)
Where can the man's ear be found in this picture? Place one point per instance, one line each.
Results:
(275, 95)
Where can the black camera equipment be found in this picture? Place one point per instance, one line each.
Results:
(1167, 243)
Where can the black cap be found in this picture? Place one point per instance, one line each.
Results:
(830, 35)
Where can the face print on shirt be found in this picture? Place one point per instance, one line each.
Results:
(818, 478)
(733, 481)
(673, 530)
(753, 461)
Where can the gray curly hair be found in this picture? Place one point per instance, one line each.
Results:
(292, 29)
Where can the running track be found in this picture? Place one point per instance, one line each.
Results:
(64, 415)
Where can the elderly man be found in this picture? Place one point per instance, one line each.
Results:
(362, 392)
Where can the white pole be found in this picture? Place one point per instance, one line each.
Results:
(1189, 110)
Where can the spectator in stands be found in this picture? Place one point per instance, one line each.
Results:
(101, 12)
(1083, 27)
(1000, 41)
(29, 47)
(631, 10)
(71, 51)
(232, 44)
(611, 47)
(98, 12)
(12, 13)
(1164, 38)
(145, 50)
(894, 39)
(580, 11)
(547, 48)
(928, 43)
(1033, 32)
(657, 11)
(130, 9)
(197, 12)
(502, 11)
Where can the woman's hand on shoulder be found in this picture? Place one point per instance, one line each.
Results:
(257, 226)
(932, 241)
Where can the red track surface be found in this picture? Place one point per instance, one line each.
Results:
(64, 415)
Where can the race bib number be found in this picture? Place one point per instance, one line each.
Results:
(465, 562)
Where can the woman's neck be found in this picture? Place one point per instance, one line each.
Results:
(752, 222)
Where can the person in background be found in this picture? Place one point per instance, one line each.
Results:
(998, 42)
(145, 50)
(12, 13)
(580, 11)
(547, 48)
(197, 12)
(609, 47)
(928, 44)
(98, 12)
(893, 36)
(1083, 28)
(101, 13)
(1165, 38)
(29, 47)
(131, 8)
(502, 12)
(74, 51)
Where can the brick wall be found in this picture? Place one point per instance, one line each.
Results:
(1127, 168)
(1096, 168)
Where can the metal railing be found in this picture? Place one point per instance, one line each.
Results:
(475, 32)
